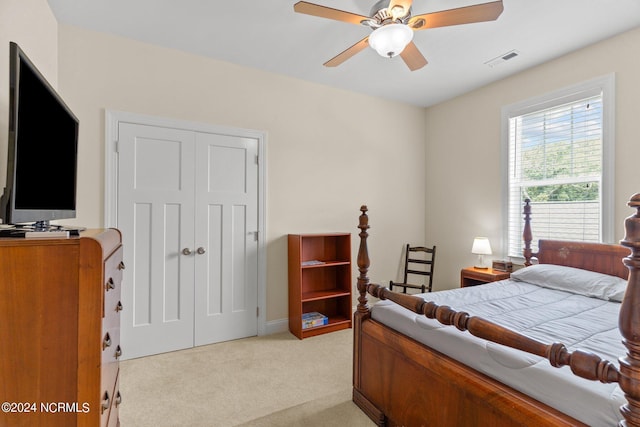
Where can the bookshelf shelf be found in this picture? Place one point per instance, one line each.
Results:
(325, 264)
(319, 295)
(320, 281)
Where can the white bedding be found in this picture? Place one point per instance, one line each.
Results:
(548, 315)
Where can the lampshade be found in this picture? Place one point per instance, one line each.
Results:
(481, 247)
(391, 39)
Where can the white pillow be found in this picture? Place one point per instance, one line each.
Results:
(574, 280)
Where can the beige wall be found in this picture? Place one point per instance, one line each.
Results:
(334, 133)
(31, 24)
(328, 150)
(468, 157)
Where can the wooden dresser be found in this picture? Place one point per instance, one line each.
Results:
(60, 330)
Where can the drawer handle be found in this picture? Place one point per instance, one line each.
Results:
(119, 306)
(118, 398)
(106, 342)
(118, 352)
(106, 402)
(110, 284)
(121, 265)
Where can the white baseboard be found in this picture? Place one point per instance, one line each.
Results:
(276, 326)
(282, 325)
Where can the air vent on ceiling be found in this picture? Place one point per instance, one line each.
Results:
(502, 58)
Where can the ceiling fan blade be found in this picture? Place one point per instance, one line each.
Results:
(412, 57)
(348, 53)
(462, 15)
(328, 12)
(399, 8)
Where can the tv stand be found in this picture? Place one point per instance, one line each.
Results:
(60, 314)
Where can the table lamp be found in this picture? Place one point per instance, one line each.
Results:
(481, 247)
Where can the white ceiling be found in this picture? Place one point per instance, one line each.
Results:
(269, 35)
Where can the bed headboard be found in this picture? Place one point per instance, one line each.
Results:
(599, 257)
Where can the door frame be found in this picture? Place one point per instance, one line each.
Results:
(113, 118)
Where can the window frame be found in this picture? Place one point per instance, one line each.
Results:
(606, 86)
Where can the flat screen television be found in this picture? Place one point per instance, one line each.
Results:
(42, 150)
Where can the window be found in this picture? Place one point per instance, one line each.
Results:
(559, 150)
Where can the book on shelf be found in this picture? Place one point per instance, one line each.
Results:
(312, 262)
(313, 319)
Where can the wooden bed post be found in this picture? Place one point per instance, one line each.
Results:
(361, 315)
(363, 261)
(629, 322)
(527, 235)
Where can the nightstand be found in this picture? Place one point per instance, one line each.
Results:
(472, 276)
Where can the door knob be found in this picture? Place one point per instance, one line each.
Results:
(186, 251)
(200, 250)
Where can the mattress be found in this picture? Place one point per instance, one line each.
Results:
(548, 315)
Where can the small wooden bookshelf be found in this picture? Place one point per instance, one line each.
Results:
(320, 281)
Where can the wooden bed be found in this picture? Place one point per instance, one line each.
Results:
(399, 381)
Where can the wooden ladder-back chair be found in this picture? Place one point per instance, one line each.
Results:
(422, 266)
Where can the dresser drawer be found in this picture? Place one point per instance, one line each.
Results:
(111, 352)
(114, 417)
(109, 406)
(109, 371)
(112, 305)
(113, 267)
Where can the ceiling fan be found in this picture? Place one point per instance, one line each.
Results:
(393, 26)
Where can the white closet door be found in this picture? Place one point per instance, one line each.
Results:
(188, 212)
(155, 215)
(226, 222)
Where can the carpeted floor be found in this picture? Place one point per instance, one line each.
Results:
(275, 380)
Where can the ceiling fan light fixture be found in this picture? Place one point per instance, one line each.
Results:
(391, 39)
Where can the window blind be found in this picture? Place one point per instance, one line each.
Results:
(555, 160)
